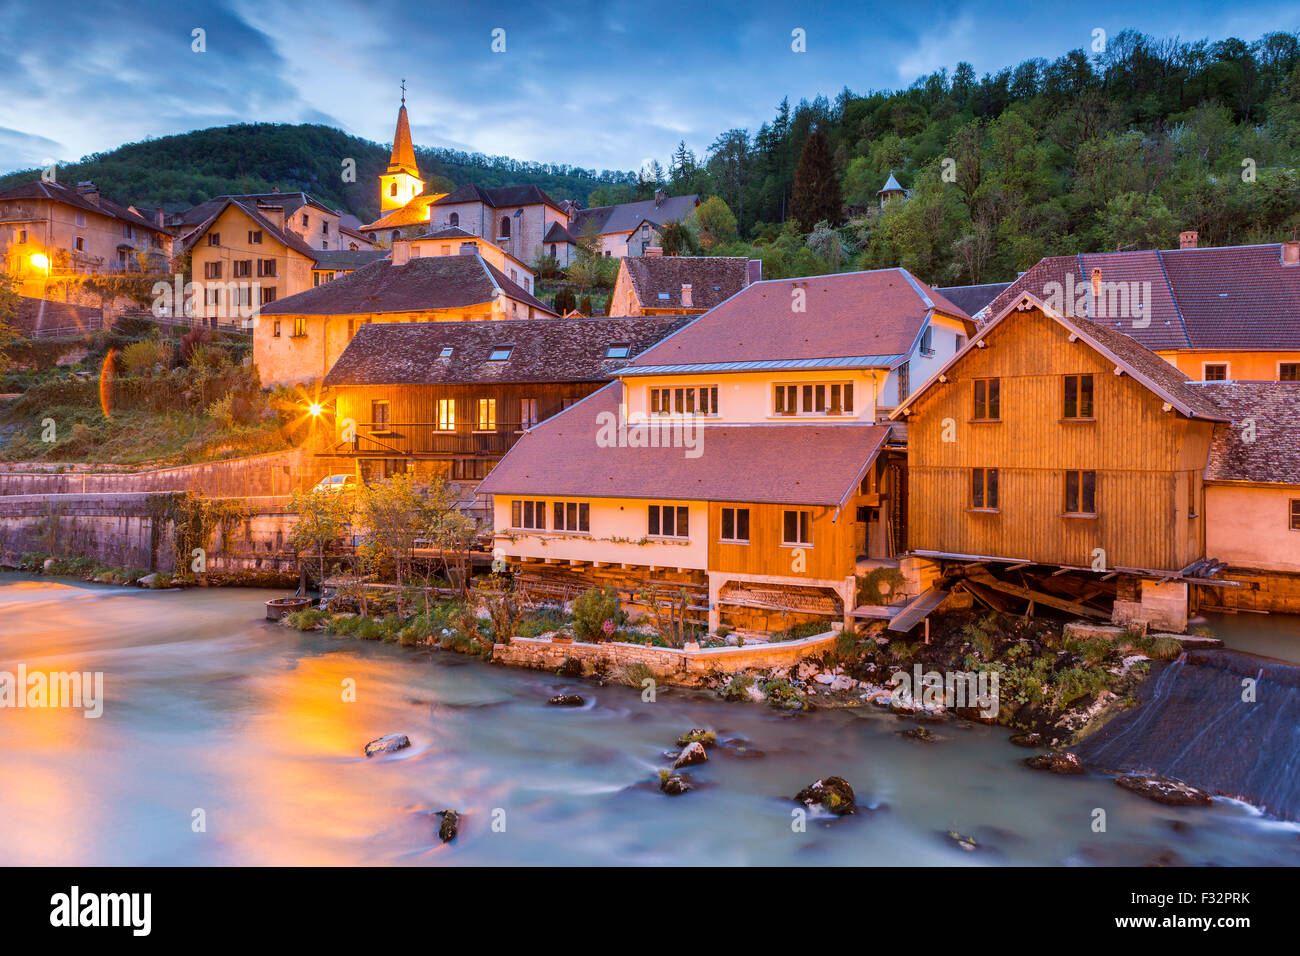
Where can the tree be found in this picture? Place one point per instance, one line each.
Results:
(323, 516)
(816, 193)
(394, 514)
(9, 301)
(565, 302)
(677, 239)
(715, 221)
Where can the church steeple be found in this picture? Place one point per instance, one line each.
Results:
(401, 183)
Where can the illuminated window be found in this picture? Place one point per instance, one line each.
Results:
(299, 327)
(1288, 372)
(487, 414)
(379, 416)
(446, 414)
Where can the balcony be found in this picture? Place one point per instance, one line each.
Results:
(426, 438)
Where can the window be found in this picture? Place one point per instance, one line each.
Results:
(904, 380)
(1288, 372)
(128, 232)
(241, 268)
(299, 327)
(984, 489)
(268, 295)
(1191, 494)
(668, 521)
(79, 244)
(446, 352)
(687, 400)
(735, 525)
(527, 412)
(961, 341)
(214, 238)
(821, 398)
(275, 329)
(324, 226)
(505, 227)
(796, 527)
(352, 328)
(392, 189)
(379, 416)
(552, 250)
(255, 237)
(571, 516)
(528, 514)
(1081, 492)
(212, 270)
(471, 468)
(81, 219)
(500, 353)
(446, 414)
(618, 350)
(1216, 371)
(927, 341)
(1078, 397)
(304, 220)
(445, 250)
(22, 236)
(487, 414)
(988, 395)
(266, 267)
(1295, 514)
(213, 296)
(453, 219)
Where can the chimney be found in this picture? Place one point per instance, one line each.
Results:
(159, 217)
(660, 196)
(653, 252)
(1187, 240)
(1291, 253)
(1096, 283)
(687, 302)
(89, 192)
(272, 212)
(401, 251)
(755, 273)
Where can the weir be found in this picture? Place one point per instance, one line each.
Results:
(1201, 721)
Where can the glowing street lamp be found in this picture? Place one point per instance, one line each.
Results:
(315, 409)
(41, 261)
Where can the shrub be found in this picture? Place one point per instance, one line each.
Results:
(592, 609)
(572, 667)
(635, 674)
(565, 301)
(141, 358)
(308, 619)
(880, 586)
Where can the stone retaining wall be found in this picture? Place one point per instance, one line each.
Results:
(668, 663)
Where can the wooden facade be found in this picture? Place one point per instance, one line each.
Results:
(1147, 461)
(414, 424)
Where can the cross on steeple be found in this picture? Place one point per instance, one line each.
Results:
(403, 91)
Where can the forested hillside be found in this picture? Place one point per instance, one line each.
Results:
(178, 171)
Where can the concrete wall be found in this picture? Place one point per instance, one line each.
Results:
(1249, 526)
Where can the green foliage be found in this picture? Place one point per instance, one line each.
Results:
(797, 632)
(738, 687)
(308, 619)
(565, 301)
(714, 222)
(816, 195)
(678, 239)
(880, 586)
(784, 695)
(536, 623)
(592, 609)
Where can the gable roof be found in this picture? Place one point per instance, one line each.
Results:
(286, 237)
(1230, 297)
(70, 196)
(626, 216)
(290, 202)
(1272, 453)
(972, 299)
(542, 350)
(851, 320)
(499, 197)
(565, 455)
(347, 259)
(425, 282)
(558, 233)
(452, 232)
(1158, 376)
(713, 279)
(412, 214)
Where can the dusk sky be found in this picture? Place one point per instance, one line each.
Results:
(597, 84)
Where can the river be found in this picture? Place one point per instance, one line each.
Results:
(209, 708)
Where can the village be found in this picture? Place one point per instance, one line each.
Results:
(780, 490)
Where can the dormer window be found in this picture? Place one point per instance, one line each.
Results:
(453, 219)
(500, 353)
(618, 350)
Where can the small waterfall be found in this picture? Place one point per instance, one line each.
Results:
(1196, 725)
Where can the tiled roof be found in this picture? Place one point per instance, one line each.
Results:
(712, 279)
(626, 216)
(412, 214)
(1234, 297)
(971, 298)
(68, 195)
(542, 350)
(450, 232)
(427, 282)
(499, 197)
(347, 259)
(558, 233)
(778, 464)
(285, 237)
(290, 202)
(878, 313)
(1263, 442)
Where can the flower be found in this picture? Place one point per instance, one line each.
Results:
(608, 627)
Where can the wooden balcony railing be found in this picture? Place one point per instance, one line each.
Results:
(415, 438)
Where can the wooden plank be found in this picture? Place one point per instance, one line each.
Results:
(1028, 594)
(989, 597)
(917, 610)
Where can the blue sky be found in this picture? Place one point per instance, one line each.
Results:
(604, 85)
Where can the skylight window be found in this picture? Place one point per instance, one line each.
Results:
(618, 350)
(500, 353)
(445, 353)
(664, 296)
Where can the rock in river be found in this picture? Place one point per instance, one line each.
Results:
(692, 753)
(833, 793)
(1058, 761)
(566, 700)
(449, 825)
(387, 744)
(1163, 790)
(673, 784)
(697, 735)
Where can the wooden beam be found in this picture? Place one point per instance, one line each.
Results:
(1029, 594)
(1017, 567)
(1060, 571)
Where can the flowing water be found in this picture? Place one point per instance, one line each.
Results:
(208, 708)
